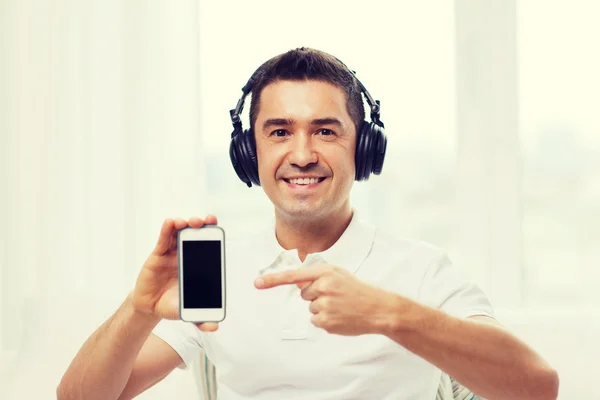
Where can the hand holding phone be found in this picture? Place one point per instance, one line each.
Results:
(201, 274)
(156, 291)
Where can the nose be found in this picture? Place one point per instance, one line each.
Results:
(302, 153)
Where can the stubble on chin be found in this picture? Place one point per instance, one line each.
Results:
(300, 210)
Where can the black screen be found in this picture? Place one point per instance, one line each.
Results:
(202, 274)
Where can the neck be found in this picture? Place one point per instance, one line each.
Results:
(311, 236)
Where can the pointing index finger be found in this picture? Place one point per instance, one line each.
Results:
(304, 275)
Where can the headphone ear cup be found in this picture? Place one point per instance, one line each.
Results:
(370, 144)
(250, 160)
(370, 150)
(379, 150)
(236, 155)
(359, 155)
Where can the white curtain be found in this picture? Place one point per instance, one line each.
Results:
(100, 143)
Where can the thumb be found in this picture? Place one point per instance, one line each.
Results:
(302, 285)
(165, 236)
(208, 326)
(175, 304)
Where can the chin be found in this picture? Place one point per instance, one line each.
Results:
(303, 211)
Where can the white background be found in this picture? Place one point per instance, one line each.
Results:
(115, 115)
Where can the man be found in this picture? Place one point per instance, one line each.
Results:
(320, 304)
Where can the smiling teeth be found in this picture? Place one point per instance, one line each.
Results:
(304, 181)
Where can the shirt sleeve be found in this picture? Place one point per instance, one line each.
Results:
(450, 290)
(184, 337)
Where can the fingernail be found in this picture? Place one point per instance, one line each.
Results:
(259, 282)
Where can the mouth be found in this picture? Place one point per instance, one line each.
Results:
(304, 182)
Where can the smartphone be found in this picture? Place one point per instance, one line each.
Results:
(201, 259)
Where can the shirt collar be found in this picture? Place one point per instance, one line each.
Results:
(349, 252)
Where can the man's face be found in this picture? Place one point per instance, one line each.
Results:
(305, 143)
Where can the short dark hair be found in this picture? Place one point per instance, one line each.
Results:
(309, 64)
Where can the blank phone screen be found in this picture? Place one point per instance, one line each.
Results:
(202, 274)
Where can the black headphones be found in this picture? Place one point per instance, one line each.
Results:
(371, 141)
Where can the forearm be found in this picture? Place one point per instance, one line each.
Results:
(103, 365)
(484, 358)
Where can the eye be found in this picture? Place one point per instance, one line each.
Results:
(326, 132)
(279, 133)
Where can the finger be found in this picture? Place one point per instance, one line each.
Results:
(164, 238)
(208, 326)
(289, 277)
(315, 306)
(302, 285)
(196, 222)
(210, 220)
(312, 291)
(318, 320)
(178, 224)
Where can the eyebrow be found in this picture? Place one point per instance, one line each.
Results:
(289, 121)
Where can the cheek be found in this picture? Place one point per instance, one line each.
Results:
(343, 167)
(268, 162)
(348, 163)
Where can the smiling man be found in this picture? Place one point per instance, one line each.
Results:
(321, 304)
(305, 143)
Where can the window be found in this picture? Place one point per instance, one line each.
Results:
(559, 89)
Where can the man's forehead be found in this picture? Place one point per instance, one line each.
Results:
(303, 101)
(282, 86)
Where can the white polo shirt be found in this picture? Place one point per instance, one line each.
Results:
(267, 348)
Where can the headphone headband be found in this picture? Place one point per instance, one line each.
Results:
(371, 141)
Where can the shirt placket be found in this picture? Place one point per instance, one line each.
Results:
(289, 307)
(296, 315)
